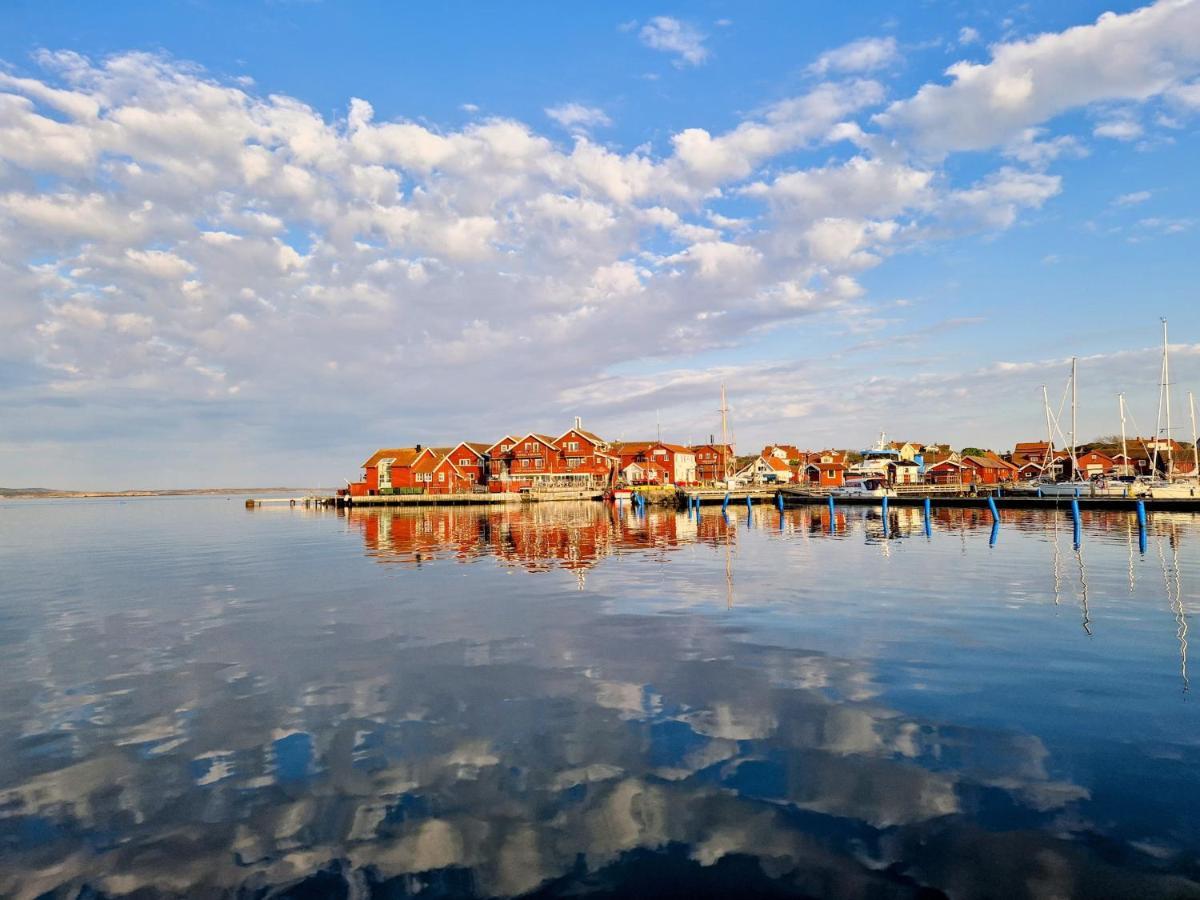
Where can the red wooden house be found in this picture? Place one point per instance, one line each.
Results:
(446, 478)
(385, 470)
(679, 462)
(499, 458)
(711, 460)
(587, 462)
(1095, 464)
(991, 469)
(470, 459)
(950, 471)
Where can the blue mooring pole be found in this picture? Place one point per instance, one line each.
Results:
(928, 522)
(779, 500)
(832, 519)
(747, 501)
(995, 533)
(1078, 527)
(887, 528)
(725, 503)
(1141, 514)
(992, 507)
(1039, 492)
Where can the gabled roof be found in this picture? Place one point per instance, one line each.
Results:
(586, 435)
(507, 439)
(826, 466)
(777, 464)
(429, 458)
(545, 439)
(479, 449)
(646, 466)
(985, 462)
(402, 456)
(948, 462)
(446, 460)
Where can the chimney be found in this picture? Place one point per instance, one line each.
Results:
(418, 448)
(578, 423)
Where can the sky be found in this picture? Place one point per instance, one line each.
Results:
(248, 243)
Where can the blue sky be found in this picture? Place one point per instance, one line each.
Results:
(248, 242)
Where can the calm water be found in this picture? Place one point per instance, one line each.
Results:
(200, 700)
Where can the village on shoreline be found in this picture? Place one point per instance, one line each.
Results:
(579, 460)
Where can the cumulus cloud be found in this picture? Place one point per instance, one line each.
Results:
(968, 35)
(863, 55)
(1133, 56)
(170, 240)
(678, 38)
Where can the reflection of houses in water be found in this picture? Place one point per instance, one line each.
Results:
(480, 748)
(535, 536)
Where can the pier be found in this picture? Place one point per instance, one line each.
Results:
(1001, 499)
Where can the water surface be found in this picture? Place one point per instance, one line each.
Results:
(567, 699)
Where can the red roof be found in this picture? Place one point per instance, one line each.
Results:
(402, 456)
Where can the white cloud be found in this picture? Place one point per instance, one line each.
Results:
(863, 55)
(1132, 199)
(576, 116)
(1121, 129)
(968, 35)
(675, 37)
(1134, 56)
(1030, 148)
(189, 219)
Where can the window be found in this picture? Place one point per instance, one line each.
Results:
(528, 446)
(540, 462)
(465, 461)
(504, 448)
(572, 445)
(524, 464)
(441, 476)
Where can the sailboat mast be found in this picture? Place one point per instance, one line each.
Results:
(1049, 458)
(1167, 395)
(1074, 404)
(1195, 449)
(1124, 446)
(724, 436)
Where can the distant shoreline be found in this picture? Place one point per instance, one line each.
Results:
(53, 494)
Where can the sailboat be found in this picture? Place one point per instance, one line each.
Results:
(1077, 485)
(1172, 484)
